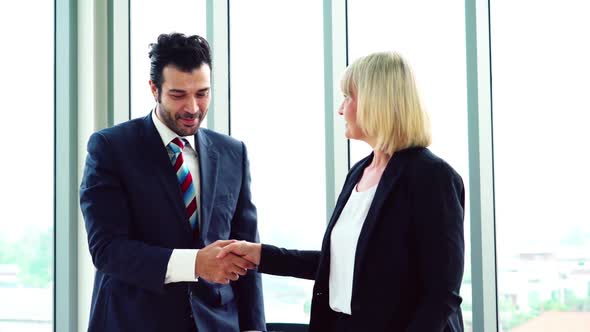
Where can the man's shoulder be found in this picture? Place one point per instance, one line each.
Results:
(220, 140)
(125, 131)
(215, 136)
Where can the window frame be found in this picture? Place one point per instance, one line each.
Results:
(110, 29)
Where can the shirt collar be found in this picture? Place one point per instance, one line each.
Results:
(166, 134)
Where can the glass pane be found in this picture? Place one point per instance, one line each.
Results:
(277, 109)
(430, 34)
(540, 94)
(27, 132)
(149, 19)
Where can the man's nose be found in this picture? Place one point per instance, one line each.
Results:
(192, 106)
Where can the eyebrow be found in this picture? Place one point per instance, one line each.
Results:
(184, 91)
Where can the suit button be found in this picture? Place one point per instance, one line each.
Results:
(318, 294)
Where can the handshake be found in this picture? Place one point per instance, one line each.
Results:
(226, 260)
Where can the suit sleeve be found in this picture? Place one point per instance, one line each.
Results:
(244, 227)
(292, 263)
(107, 218)
(438, 211)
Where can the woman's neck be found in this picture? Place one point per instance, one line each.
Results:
(380, 160)
(372, 173)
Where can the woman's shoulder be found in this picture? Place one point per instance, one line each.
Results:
(422, 163)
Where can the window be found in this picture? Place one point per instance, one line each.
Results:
(540, 114)
(277, 109)
(430, 34)
(27, 130)
(149, 19)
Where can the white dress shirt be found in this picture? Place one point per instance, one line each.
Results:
(343, 243)
(181, 266)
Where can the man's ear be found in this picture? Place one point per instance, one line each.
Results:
(154, 89)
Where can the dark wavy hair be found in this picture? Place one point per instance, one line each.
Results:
(184, 52)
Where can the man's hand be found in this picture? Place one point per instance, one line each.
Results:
(220, 270)
(247, 250)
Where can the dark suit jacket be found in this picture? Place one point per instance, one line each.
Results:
(135, 216)
(409, 256)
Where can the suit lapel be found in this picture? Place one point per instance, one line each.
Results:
(157, 155)
(347, 189)
(388, 181)
(352, 179)
(208, 157)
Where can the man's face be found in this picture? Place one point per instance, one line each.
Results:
(184, 99)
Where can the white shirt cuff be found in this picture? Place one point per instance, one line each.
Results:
(181, 266)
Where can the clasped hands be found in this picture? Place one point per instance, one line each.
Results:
(226, 260)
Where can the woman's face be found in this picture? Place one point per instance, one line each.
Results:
(348, 111)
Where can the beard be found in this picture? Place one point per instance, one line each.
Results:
(171, 121)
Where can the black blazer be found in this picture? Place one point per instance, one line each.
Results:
(135, 216)
(409, 256)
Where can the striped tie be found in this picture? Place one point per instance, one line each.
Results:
(185, 180)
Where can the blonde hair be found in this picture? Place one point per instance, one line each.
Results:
(388, 104)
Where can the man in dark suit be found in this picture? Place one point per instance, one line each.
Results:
(160, 197)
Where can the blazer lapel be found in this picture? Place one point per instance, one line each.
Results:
(157, 155)
(390, 176)
(347, 189)
(208, 157)
(352, 179)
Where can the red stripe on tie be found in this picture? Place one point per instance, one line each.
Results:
(188, 180)
(178, 163)
(192, 207)
(178, 142)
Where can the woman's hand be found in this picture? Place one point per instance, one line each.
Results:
(247, 250)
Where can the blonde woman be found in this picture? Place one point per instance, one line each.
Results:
(392, 255)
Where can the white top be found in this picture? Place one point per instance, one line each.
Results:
(181, 266)
(343, 244)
